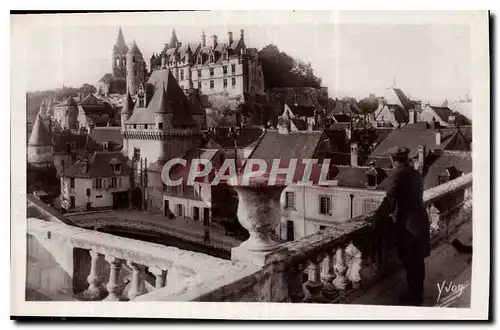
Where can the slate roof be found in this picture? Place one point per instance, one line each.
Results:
(356, 177)
(81, 141)
(40, 135)
(106, 134)
(444, 113)
(134, 49)
(107, 77)
(99, 166)
(437, 164)
(120, 45)
(215, 157)
(176, 101)
(299, 145)
(412, 138)
(246, 136)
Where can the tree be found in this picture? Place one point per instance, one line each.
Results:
(87, 89)
(281, 70)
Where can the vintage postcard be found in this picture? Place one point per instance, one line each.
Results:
(291, 165)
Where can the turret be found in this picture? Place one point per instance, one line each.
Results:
(135, 69)
(70, 113)
(40, 149)
(203, 39)
(127, 110)
(173, 40)
(161, 113)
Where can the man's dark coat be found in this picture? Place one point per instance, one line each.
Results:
(404, 198)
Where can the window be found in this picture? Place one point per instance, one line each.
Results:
(369, 205)
(211, 84)
(98, 183)
(98, 196)
(160, 125)
(135, 72)
(372, 180)
(199, 84)
(225, 83)
(325, 205)
(196, 213)
(233, 81)
(211, 72)
(442, 179)
(72, 182)
(290, 200)
(233, 68)
(199, 74)
(323, 227)
(114, 182)
(182, 74)
(179, 210)
(72, 201)
(133, 59)
(137, 153)
(135, 126)
(200, 60)
(224, 69)
(117, 168)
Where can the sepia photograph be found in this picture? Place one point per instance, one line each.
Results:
(293, 165)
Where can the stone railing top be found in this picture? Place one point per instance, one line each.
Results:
(326, 240)
(457, 184)
(196, 266)
(49, 213)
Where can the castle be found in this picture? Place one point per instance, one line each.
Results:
(223, 71)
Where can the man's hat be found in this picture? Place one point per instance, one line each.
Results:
(399, 153)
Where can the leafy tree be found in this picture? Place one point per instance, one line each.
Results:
(281, 70)
(87, 89)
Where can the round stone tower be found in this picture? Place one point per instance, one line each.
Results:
(135, 69)
(70, 113)
(40, 149)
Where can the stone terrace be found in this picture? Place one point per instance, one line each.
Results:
(349, 263)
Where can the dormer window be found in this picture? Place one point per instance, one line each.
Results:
(199, 60)
(211, 72)
(105, 146)
(116, 166)
(372, 178)
(212, 59)
(442, 179)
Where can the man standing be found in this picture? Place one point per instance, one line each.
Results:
(404, 199)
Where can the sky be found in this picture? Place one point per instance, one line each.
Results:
(353, 56)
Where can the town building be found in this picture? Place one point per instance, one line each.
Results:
(395, 109)
(98, 182)
(440, 114)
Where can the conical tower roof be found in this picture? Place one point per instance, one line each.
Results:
(128, 107)
(134, 49)
(120, 45)
(163, 106)
(40, 135)
(173, 40)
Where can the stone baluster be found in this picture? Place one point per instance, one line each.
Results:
(95, 291)
(294, 276)
(354, 265)
(327, 276)
(115, 265)
(436, 224)
(341, 282)
(137, 284)
(160, 277)
(314, 284)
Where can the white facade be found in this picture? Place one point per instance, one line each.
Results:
(308, 215)
(101, 194)
(191, 207)
(429, 115)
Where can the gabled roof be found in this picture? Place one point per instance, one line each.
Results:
(356, 177)
(128, 107)
(245, 137)
(99, 166)
(412, 138)
(40, 135)
(106, 78)
(444, 113)
(214, 156)
(65, 139)
(106, 134)
(436, 165)
(299, 145)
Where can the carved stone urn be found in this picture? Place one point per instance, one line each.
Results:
(259, 213)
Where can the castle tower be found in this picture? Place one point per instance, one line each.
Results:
(127, 110)
(70, 113)
(135, 69)
(173, 40)
(40, 149)
(120, 51)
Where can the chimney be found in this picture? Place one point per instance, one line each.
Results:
(230, 36)
(242, 35)
(413, 116)
(214, 37)
(438, 137)
(451, 120)
(354, 154)
(422, 152)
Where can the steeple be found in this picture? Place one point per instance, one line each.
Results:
(134, 49)
(173, 40)
(40, 135)
(128, 107)
(120, 45)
